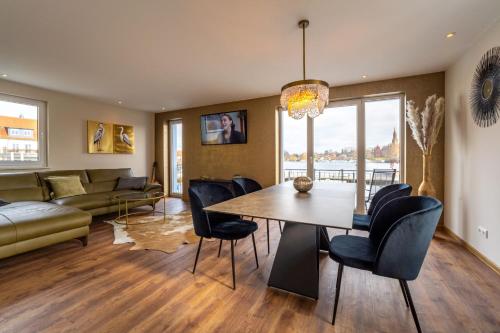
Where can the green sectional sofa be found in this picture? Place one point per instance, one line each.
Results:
(32, 219)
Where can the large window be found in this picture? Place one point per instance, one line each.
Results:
(176, 158)
(354, 141)
(23, 134)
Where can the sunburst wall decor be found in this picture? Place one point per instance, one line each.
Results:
(485, 90)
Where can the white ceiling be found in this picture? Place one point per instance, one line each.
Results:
(180, 53)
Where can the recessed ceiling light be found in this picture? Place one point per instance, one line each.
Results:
(450, 34)
(120, 102)
(4, 75)
(163, 108)
(364, 76)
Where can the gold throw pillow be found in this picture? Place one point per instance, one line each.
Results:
(65, 186)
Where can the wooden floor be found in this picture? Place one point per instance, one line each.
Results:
(106, 288)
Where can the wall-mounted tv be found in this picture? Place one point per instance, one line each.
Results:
(224, 128)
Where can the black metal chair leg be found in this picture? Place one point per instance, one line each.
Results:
(220, 247)
(404, 293)
(255, 250)
(235, 242)
(268, 246)
(412, 307)
(281, 229)
(197, 254)
(347, 231)
(232, 264)
(337, 292)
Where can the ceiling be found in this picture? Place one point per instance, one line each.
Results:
(178, 54)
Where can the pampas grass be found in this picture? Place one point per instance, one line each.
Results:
(425, 124)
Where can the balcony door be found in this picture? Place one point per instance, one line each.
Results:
(354, 141)
(175, 158)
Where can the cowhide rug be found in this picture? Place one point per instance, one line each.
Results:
(152, 233)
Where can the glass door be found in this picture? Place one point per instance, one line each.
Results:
(353, 141)
(175, 158)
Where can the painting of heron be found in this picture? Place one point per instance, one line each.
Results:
(99, 137)
(123, 139)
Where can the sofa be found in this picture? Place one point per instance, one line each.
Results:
(33, 219)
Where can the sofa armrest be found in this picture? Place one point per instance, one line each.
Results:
(153, 188)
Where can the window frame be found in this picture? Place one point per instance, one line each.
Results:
(42, 135)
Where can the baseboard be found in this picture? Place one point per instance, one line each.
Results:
(471, 249)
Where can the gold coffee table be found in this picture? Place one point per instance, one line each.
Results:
(125, 199)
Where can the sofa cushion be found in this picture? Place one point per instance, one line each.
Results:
(91, 200)
(66, 186)
(34, 219)
(61, 173)
(20, 187)
(131, 183)
(104, 180)
(7, 231)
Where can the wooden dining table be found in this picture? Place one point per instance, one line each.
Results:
(307, 215)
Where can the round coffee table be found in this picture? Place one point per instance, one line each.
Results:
(147, 197)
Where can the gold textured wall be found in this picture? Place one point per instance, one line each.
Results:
(258, 158)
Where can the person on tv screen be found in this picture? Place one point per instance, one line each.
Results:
(229, 135)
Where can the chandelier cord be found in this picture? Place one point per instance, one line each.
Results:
(304, 51)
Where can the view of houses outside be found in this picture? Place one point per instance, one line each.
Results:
(18, 132)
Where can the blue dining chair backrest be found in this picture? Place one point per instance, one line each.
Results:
(381, 193)
(397, 191)
(403, 230)
(203, 195)
(244, 186)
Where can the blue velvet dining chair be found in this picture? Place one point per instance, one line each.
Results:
(399, 238)
(218, 225)
(384, 195)
(244, 186)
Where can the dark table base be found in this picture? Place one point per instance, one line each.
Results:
(296, 265)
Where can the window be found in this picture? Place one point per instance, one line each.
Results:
(23, 137)
(353, 141)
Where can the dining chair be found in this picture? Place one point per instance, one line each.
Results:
(384, 195)
(217, 225)
(244, 186)
(399, 238)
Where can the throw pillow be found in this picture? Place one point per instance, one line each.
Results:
(3, 203)
(65, 186)
(131, 183)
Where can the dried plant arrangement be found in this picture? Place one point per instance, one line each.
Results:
(425, 124)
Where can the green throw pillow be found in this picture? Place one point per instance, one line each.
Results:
(66, 186)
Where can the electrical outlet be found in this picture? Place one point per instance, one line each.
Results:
(483, 231)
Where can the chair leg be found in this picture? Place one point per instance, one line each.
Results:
(255, 250)
(84, 240)
(404, 293)
(281, 229)
(337, 292)
(412, 307)
(268, 246)
(220, 247)
(235, 242)
(232, 264)
(347, 231)
(197, 254)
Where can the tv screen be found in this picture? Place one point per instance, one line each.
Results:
(224, 128)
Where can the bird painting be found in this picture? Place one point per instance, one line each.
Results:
(98, 136)
(123, 139)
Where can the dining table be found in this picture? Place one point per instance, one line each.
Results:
(306, 215)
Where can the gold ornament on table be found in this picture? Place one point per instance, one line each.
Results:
(425, 125)
(303, 184)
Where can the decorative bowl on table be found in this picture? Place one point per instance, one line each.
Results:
(303, 184)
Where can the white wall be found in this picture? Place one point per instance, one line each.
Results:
(67, 130)
(472, 158)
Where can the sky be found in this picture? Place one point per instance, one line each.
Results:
(10, 109)
(336, 127)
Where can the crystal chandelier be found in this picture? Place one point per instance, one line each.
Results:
(305, 96)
